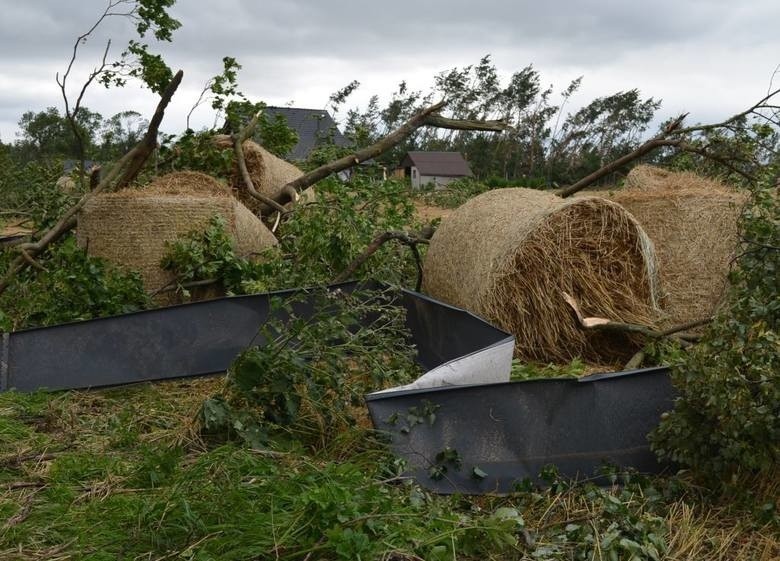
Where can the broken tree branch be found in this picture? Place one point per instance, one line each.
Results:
(426, 117)
(656, 142)
(604, 324)
(673, 135)
(148, 143)
(465, 124)
(133, 161)
(408, 239)
(238, 147)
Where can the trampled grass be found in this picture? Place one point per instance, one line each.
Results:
(125, 474)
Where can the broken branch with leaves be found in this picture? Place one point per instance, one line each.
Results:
(674, 135)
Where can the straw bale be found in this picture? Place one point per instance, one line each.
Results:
(131, 227)
(187, 183)
(269, 174)
(508, 255)
(692, 221)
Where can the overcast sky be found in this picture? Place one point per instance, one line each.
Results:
(711, 58)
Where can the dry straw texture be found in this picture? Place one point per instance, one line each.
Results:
(131, 227)
(509, 254)
(692, 221)
(269, 174)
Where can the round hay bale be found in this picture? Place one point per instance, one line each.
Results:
(269, 174)
(509, 254)
(132, 227)
(692, 221)
(186, 183)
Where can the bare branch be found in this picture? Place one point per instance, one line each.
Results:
(465, 124)
(732, 119)
(148, 143)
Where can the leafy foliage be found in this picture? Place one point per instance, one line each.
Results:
(727, 418)
(209, 254)
(317, 242)
(308, 375)
(73, 286)
(30, 189)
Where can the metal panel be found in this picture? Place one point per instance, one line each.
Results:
(201, 338)
(511, 431)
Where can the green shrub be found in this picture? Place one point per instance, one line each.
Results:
(316, 242)
(727, 418)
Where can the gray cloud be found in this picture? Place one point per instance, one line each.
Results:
(710, 57)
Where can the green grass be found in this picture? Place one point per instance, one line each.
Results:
(125, 474)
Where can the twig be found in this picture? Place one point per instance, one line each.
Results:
(27, 257)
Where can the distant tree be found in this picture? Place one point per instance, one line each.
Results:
(47, 134)
(119, 134)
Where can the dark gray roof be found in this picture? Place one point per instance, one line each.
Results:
(313, 126)
(442, 164)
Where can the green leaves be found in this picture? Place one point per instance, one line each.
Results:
(307, 375)
(74, 286)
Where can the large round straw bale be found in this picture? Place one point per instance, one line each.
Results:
(268, 172)
(510, 254)
(132, 227)
(692, 221)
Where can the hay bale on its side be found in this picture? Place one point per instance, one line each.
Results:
(132, 227)
(269, 174)
(692, 221)
(508, 255)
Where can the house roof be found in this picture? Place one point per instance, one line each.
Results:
(313, 127)
(442, 164)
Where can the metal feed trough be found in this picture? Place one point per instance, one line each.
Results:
(461, 427)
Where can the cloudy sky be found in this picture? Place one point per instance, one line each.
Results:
(711, 58)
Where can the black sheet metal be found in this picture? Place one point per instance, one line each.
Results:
(201, 338)
(511, 431)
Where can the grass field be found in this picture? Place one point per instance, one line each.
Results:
(126, 474)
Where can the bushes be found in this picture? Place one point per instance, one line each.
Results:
(727, 418)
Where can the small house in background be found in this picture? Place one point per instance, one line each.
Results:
(434, 169)
(313, 127)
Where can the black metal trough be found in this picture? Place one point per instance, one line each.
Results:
(474, 437)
